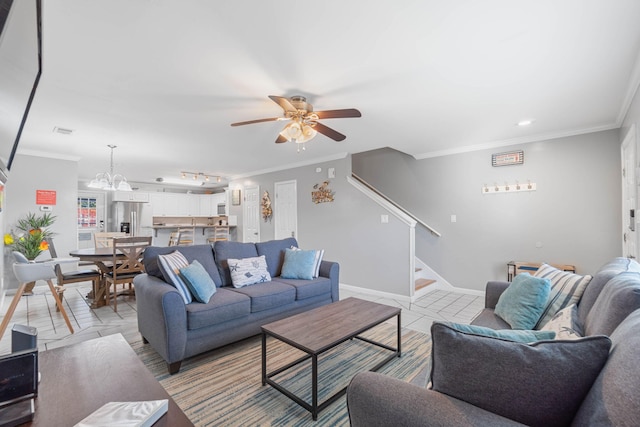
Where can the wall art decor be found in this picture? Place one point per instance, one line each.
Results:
(267, 212)
(507, 159)
(321, 193)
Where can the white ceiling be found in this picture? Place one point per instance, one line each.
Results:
(163, 79)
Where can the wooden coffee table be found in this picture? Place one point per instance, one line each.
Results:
(319, 330)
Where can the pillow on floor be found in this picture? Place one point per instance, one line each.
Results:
(170, 266)
(543, 383)
(566, 289)
(565, 324)
(248, 271)
(522, 303)
(198, 281)
(505, 334)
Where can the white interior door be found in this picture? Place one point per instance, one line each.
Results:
(251, 214)
(629, 195)
(285, 212)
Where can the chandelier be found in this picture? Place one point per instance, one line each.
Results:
(298, 132)
(110, 181)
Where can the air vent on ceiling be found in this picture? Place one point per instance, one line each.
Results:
(62, 131)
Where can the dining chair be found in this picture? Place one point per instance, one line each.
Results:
(186, 236)
(104, 239)
(218, 233)
(127, 264)
(174, 238)
(75, 276)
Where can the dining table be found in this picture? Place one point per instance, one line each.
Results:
(103, 259)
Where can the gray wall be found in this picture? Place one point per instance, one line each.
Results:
(31, 173)
(371, 254)
(575, 214)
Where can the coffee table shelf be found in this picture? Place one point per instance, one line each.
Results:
(319, 330)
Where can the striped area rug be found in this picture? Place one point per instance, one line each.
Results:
(223, 387)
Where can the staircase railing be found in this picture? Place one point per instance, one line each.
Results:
(396, 205)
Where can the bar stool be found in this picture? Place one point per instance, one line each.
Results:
(27, 271)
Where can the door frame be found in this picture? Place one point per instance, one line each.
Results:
(629, 179)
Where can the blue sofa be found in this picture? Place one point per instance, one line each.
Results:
(610, 306)
(177, 330)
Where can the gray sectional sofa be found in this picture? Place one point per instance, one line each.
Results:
(177, 330)
(609, 306)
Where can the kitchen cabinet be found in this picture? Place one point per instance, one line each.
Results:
(130, 196)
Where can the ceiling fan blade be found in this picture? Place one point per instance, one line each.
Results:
(327, 131)
(281, 139)
(250, 122)
(284, 103)
(337, 114)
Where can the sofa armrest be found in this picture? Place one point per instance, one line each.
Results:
(162, 316)
(331, 270)
(493, 290)
(378, 400)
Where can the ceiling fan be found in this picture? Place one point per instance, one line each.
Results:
(304, 121)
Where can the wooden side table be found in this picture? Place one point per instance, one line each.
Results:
(516, 267)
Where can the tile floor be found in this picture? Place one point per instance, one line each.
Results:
(38, 310)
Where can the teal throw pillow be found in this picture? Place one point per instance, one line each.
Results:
(523, 302)
(506, 334)
(298, 264)
(198, 281)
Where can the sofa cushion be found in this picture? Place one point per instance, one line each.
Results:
(542, 383)
(202, 253)
(619, 297)
(565, 324)
(518, 335)
(614, 399)
(170, 265)
(224, 250)
(298, 264)
(308, 288)
(265, 296)
(566, 289)
(248, 271)
(521, 304)
(488, 318)
(198, 281)
(223, 306)
(604, 274)
(273, 250)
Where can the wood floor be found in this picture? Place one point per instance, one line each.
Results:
(39, 310)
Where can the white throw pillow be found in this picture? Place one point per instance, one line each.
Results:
(248, 271)
(565, 324)
(566, 289)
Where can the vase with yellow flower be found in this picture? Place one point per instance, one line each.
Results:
(29, 236)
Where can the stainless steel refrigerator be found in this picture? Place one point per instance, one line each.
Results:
(126, 216)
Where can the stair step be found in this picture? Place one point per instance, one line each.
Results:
(423, 283)
(418, 269)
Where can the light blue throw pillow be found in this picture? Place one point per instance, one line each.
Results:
(506, 334)
(198, 281)
(298, 264)
(523, 302)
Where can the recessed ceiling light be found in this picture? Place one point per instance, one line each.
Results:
(525, 122)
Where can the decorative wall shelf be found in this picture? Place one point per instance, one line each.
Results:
(508, 188)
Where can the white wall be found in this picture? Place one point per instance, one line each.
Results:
(574, 215)
(31, 173)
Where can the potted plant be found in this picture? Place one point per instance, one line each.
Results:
(29, 237)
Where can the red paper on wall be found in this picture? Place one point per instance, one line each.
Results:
(45, 197)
